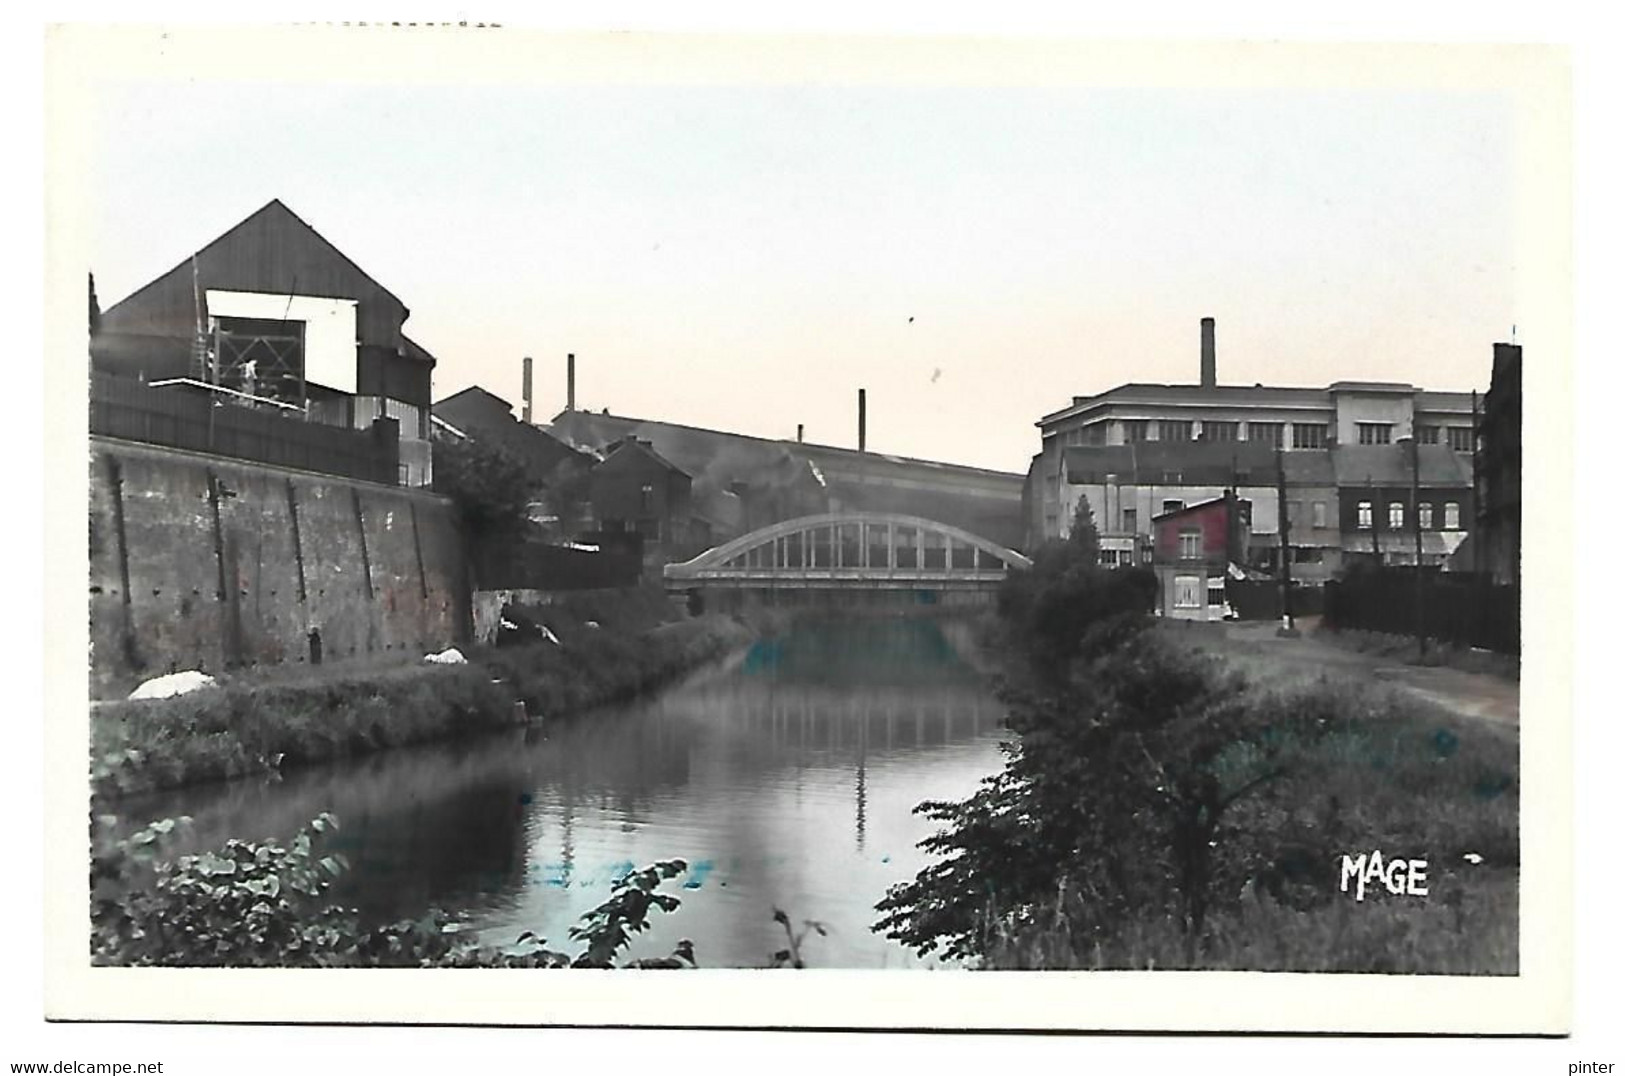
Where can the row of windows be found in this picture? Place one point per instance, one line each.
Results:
(1396, 515)
(1459, 438)
(1304, 434)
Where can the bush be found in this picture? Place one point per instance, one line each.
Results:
(258, 905)
(1117, 791)
(1156, 807)
(1067, 596)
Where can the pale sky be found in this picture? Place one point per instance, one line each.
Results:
(746, 258)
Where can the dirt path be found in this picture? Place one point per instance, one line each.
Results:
(1477, 696)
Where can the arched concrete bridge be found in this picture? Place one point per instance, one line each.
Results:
(850, 551)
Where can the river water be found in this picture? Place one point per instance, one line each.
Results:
(786, 777)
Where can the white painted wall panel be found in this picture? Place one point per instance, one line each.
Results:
(330, 329)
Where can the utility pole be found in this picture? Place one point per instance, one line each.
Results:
(1288, 628)
(1376, 520)
(1416, 524)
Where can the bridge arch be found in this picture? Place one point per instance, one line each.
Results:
(852, 549)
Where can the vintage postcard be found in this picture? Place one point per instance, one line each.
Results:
(806, 512)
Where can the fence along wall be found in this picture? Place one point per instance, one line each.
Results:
(1464, 609)
(179, 417)
(198, 562)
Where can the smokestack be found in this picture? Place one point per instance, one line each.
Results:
(527, 389)
(863, 420)
(570, 382)
(1210, 356)
(800, 428)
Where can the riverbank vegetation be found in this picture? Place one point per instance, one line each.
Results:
(266, 905)
(1159, 809)
(608, 648)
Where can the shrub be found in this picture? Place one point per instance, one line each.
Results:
(1117, 790)
(265, 904)
(1066, 597)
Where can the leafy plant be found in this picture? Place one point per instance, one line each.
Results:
(790, 956)
(265, 904)
(608, 928)
(245, 904)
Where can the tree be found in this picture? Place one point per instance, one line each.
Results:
(1114, 806)
(490, 488)
(1083, 534)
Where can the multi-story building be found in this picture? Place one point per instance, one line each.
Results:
(271, 315)
(1127, 486)
(1387, 493)
(1268, 416)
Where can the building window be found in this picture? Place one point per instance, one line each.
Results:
(1424, 515)
(1134, 429)
(1362, 512)
(1094, 434)
(1427, 435)
(1267, 432)
(646, 496)
(1215, 592)
(1187, 592)
(1375, 433)
(1172, 506)
(1319, 514)
(1131, 518)
(1396, 515)
(1244, 511)
(1220, 431)
(1306, 555)
(1190, 544)
(1452, 516)
(1174, 430)
(1308, 435)
(1461, 438)
(1294, 511)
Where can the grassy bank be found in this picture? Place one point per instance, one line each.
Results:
(1178, 799)
(1361, 768)
(287, 719)
(1403, 648)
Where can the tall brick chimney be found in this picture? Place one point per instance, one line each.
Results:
(863, 421)
(527, 389)
(1210, 356)
(570, 382)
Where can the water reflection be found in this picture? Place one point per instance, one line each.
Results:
(786, 778)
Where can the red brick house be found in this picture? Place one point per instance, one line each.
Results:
(1193, 550)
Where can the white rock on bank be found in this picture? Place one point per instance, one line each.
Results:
(181, 683)
(547, 633)
(449, 656)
